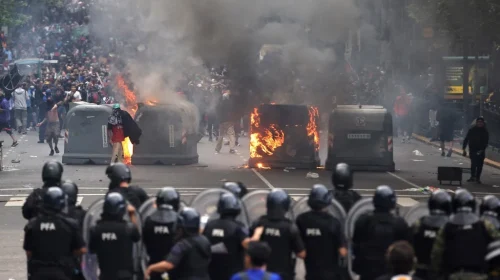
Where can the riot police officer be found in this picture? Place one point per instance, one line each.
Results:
(490, 210)
(342, 180)
(120, 177)
(51, 176)
(190, 256)
(426, 229)
(237, 188)
(74, 211)
(461, 245)
(322, 235)
(493, 260)
(112, 239)
(49, 227)
(161, 226)
(228, 238)
(375, 232)
(281, 234)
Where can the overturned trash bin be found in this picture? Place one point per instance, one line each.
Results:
(360, 136)
(169, 135)
(90, 264)
(86, 135)
(284, 136)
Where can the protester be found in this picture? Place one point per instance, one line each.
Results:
(477, 139)
(5, 118)
(52, 126)
(256, 259)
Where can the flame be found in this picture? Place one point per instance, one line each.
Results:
(262, 166)
(312, 126)
(264, 140)
(131, 103)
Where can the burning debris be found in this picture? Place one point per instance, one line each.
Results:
(283, 136)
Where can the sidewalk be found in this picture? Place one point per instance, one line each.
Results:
(426, 140)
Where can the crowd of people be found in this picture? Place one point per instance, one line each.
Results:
(452, 242)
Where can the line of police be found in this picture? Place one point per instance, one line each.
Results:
(447, 248)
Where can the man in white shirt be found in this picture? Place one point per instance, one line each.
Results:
(20, 96)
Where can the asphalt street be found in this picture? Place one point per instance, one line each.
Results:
(416, 168)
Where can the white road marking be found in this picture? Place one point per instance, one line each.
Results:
(15, 201)
(406, 201)
(403, 180)
(263, 179)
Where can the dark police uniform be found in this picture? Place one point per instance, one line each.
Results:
(237, 188)
(461, 245)
(191, 255)
(281, 234)
(426, 229)
(322, 235)
(50, 227)
(161, 226)
(77, 213)
(342, 180)
(51, 176)
(226, 236)
(119, 173)
(112, 240)
(375, 232)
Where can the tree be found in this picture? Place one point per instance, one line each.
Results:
(11, 13)
(458, 18)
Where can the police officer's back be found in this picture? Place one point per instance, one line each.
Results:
(237, 188)
(51, 240)
(342, 180)
(375, 232)
(462, 243)
(160, 227)
(281, 234)
(322, 235)
(51, 176)
(227, 237)
(112, 239)
(490, 210)
(425, 230)
(190, 257)
(120, 177)
(493, 260)
(74, 211)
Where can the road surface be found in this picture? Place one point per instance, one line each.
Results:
(22, 172)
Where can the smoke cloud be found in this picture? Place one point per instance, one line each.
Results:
(163, 42)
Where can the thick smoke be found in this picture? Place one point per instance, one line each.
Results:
(167, 41)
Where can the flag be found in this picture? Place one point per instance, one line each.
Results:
(10, 81)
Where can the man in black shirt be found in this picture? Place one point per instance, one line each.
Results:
(477, 138)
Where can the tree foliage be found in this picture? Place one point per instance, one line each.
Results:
(460, 18)
(11, 12)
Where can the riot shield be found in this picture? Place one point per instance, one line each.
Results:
(148, 208)
(90, 265)
(361, 207)
(416, 212)
(206, 204)
(255, 203)
(335, 209)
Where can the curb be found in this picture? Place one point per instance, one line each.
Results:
(425, 140)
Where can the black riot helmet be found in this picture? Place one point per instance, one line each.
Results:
(319, 197)
(52, 172)
(118, 173)
(342, 176)
(490, 205)
(168, 197)
(71, 190)
(384, 199)
(440, 203)
(54, 199)
(115, 205)
(463, 201)
(189, 220)
(229, 205)
(278, 202)
(237, 188)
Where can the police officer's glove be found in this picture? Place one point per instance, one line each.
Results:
(464, 153)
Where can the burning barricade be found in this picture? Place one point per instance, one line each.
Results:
(284, 136)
